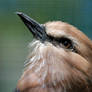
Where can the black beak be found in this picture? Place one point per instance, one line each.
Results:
(38, 30)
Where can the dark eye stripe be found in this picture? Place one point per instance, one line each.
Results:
(66, 42)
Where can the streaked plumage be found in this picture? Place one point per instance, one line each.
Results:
(60, 59)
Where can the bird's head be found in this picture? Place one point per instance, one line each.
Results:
(61, 60)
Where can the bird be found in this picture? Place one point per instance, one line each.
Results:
(60, 59)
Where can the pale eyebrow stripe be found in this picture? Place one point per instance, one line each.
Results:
(75, 41)
(61, 33)
(55, 33)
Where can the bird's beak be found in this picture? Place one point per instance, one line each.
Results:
(38, 30)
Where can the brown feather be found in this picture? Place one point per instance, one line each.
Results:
(54, 69)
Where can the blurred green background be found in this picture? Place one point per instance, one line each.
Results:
(15, 37)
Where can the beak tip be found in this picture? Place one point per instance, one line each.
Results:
(32, 25)
(19, 13)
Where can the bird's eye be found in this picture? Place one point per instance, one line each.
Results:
(66, 43)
